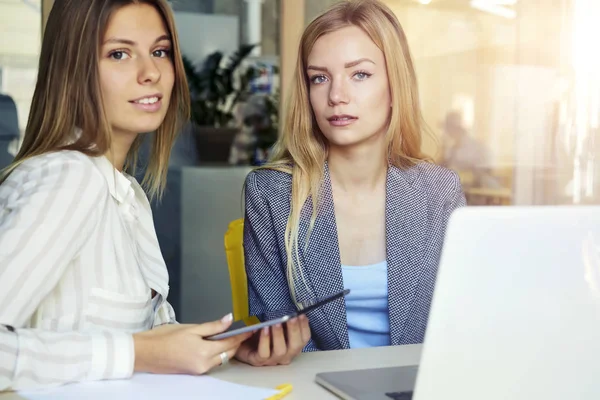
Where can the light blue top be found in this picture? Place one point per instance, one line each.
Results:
(367, 305)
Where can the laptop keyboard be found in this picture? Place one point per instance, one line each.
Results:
(400, 395)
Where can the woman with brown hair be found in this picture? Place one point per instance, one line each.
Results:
(348, 199)
(83, 284)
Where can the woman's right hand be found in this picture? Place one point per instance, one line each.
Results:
(182, 349)
(277, 346)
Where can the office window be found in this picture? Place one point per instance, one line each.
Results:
(20, 30)
(511, 90)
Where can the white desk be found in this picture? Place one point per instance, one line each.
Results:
(301, 372)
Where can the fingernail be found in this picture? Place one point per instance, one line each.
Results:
(265, 331)
(278, 326)
(292, 321)
(227, 318)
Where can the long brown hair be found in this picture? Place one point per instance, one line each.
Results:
(302, 149)
(67, 94)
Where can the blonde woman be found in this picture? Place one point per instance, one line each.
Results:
(348, 199)
(82, 279)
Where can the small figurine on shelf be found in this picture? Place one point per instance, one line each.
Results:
(252, 143)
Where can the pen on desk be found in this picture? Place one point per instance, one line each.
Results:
(284, 390)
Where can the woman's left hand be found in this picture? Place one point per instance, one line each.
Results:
(276, 345)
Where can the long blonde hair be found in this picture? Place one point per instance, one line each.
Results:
(67, 94)
(302, 149)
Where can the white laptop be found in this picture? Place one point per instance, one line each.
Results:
(515, 313)
(516, 308)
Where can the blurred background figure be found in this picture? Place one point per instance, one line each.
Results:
(461, 150)
(465, 154)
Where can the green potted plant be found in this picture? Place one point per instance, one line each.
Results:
(216, 88)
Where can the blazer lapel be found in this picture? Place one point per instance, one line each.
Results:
(406, 230)
(322, 264)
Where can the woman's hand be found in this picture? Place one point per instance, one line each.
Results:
(181, 349)
(273, 347)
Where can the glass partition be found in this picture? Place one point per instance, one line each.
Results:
(510, 91)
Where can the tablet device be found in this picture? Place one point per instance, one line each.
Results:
(247, 325)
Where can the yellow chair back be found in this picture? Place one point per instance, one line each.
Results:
(234, 250)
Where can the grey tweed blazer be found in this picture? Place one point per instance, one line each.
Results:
(419, 201)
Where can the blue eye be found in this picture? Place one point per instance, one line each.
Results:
(317, 79)
(361, 76)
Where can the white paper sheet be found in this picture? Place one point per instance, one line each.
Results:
(153, 387)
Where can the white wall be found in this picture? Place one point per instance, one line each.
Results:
(202, 34)
(197, 6)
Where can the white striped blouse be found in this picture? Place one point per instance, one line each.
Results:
(79, 259)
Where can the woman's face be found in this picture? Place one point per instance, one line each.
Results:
(349, 88)
(136, 71)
